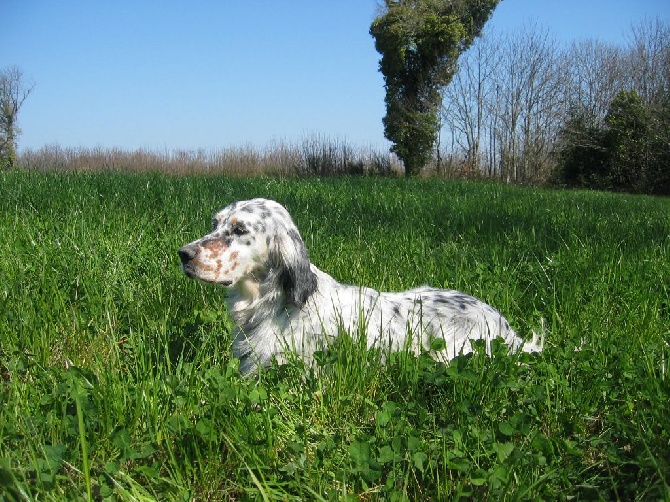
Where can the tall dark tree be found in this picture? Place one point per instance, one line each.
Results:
(628, 135)
(420, 42)
(629, 151)
(582, 154)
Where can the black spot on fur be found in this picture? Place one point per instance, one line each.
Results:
(293, 234)
(240, 228)
(297, 279)
(299, 284)
(464, 301)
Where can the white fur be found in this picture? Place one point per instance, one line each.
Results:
(280, 301)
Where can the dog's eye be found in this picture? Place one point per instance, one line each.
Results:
(240, 229)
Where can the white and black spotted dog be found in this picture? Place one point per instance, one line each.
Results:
(280, 301)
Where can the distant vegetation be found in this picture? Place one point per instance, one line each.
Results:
(315, 155)
(524, 109)
(521, 109)
(117, 382)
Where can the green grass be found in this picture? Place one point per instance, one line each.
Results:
(117, 381)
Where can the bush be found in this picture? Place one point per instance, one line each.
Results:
(629, 152)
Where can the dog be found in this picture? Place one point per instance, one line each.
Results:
(281, 302)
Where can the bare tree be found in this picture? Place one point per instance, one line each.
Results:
(596, 75)
(13, 92)
(528, 103)
(505, 105)
(649, 60)
(466, 100)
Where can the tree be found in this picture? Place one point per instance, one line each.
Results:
(596, 73)
(528, 104)
(13, 92)
(506, 103)
(630, 151)
(582, 154)
(618, 133)
(467, 97)
(649, 61)
(638, 138)
(420, 42)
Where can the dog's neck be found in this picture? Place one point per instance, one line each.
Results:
(251, 300)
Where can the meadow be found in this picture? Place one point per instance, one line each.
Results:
(117, 382)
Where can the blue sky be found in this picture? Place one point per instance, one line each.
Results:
(221, 73)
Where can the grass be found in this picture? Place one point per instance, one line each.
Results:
(117, 381)
(315, 155)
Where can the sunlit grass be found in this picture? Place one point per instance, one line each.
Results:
(97, 322)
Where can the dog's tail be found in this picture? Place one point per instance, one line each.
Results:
(537, 343)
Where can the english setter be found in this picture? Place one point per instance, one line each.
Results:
(280, 301)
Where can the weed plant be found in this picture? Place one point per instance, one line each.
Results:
(314, 155)
(117, 382)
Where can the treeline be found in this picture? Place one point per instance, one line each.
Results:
(524, 109)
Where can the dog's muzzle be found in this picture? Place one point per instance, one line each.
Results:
(187, 253)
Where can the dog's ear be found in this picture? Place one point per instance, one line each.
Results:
(296, 278)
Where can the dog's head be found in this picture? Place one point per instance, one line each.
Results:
(252, 240)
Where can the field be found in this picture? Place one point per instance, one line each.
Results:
(117, 381)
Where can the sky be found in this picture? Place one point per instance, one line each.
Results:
(165, 75)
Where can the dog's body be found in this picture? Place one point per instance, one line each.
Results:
(280, 301)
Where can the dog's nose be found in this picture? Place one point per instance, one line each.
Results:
(186, 253)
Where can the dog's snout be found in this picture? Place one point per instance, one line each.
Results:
(186, 253)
